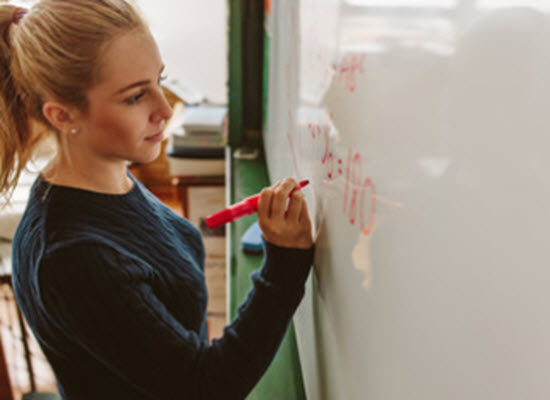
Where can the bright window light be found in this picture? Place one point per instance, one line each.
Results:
(541, 5)
(406, 3)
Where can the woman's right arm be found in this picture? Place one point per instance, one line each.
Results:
(117, 318)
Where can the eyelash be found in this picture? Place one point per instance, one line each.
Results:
(135, 99)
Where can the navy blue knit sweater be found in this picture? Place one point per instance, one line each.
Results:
(113, 288)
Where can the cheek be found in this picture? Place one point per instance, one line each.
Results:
(122, 127)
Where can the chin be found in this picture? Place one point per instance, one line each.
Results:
(148, 157)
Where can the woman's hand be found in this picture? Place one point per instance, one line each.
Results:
(281, 226)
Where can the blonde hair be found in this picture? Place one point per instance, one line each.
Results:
(52, 53)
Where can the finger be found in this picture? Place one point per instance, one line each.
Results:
(280, 197)
(295, 206)
(277, 184)
(304, 214)
(272, 190)
(264, 203)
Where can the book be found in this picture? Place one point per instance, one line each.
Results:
(194, 166)
(200, 127)
(204, 119)
(189, 160)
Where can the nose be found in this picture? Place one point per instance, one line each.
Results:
(162, 111)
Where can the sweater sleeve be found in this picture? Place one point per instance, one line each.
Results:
(104, 302)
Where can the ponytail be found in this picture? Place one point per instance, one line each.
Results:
(51, 53)
(16, 141)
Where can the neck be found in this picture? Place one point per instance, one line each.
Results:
(98, 176)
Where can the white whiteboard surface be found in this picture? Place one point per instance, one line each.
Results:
(426, 134)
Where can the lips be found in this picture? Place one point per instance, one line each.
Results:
(156, 136)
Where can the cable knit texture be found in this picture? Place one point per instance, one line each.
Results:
(113, 288)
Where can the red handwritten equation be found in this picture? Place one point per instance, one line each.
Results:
(350, 66)
(359, 202)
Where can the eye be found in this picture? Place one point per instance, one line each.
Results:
(135, 99)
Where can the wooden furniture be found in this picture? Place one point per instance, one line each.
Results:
(6, 392)
(5, 385)
(182, 184)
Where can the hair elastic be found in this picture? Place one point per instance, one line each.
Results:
(18, 14)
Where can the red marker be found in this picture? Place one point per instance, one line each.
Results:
(242, 208)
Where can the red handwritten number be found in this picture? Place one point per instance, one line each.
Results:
(368, 184)
(343, 68)
(330, 165)
(350, 66)
(352, 72)
(353, 204)
(347, 181)
(355, 182)
(327, 144)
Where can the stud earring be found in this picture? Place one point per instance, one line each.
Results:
(74, 131)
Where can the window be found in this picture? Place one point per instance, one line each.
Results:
(405, 3)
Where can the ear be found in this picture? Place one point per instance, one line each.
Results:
(59, 115)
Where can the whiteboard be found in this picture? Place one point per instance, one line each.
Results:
(425, 131)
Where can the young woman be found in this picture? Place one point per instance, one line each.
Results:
(109, 279)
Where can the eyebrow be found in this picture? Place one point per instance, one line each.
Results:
(137, 84)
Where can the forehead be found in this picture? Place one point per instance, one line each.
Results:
(129, 58)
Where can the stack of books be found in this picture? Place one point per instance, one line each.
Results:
(197, 140)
